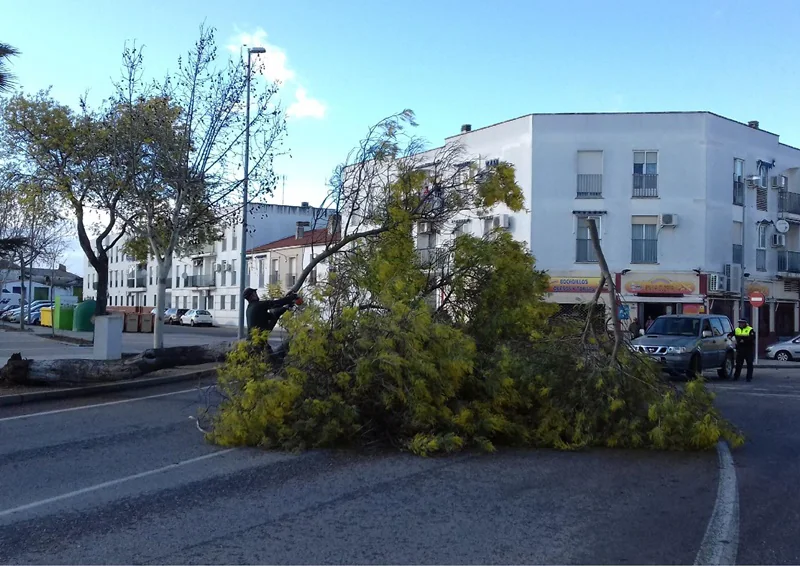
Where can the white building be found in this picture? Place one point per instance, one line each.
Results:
(207, 279)
(671, 197)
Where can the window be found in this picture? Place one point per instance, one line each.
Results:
(261, 272)
(738, 182)
(210, 302)
(727, 328)
(784, 183)
(155, 300)
(151, 275)
(584, 252)
(761, 248)
(736, 237)
(234, 240)
(644, 239)
(224, 273)
(184, 301)
(222, 302)
(488, 225)
(716, 327)
(462, 227)
(224, 242)
(645, 174)
(194, 302)
(273, 278)
(233, 272)
(233, 302)
(590, 174)
(177, 281)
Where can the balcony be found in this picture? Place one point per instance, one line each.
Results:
(789, 203)
(204, 251)
(645, 185)
(590, 186)
(201, 281)
(137, 282)
(789, 264)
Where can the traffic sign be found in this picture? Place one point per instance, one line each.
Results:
(757, 299)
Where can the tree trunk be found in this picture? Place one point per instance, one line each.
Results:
(101, 300)
(161, 299)
(22, 294)
(82, 372)
(612, 287)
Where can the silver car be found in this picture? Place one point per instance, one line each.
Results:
(784, 351)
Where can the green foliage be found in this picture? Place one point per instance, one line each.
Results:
(372, 361)
(498, 185)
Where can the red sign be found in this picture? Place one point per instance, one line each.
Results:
(757, 299)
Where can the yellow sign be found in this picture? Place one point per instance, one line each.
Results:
(660, 286)
(573, 284)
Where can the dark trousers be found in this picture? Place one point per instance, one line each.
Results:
(741, 358)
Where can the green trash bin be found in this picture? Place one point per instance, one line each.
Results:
(82, 316)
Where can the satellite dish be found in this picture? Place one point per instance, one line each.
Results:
(782, 226)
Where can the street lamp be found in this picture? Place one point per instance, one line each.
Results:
(752, 181)
(243, 255)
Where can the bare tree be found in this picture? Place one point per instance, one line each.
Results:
(178, 148)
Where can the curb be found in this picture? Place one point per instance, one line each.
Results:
(72, 392)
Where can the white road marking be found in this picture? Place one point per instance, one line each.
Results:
(757, 394)
(107, 404)
(111, 483)
(721, 541)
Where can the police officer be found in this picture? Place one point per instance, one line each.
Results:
(745, 348)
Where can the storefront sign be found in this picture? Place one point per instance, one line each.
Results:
(694, 309)
(573, 284)
(661, 286)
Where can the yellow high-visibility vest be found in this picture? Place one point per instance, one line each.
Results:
(746, 331)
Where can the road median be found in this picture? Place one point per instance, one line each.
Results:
(164, 377)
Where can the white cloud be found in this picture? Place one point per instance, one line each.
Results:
(304, 106)
(274, 65)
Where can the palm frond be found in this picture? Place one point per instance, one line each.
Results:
(6, 79)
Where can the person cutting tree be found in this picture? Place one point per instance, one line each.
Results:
(264, 315)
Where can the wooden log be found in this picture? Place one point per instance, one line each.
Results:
(81, 372)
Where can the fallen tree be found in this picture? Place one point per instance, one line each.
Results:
(21, 371)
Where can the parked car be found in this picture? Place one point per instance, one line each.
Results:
(784, 351)
(689, 344)
(35, 314)
(197, 318)
(173, 316)
(8, 314)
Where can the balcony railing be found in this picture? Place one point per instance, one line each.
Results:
(274, 278)
(738, 193)
(590, 186)
(201, 281)
(291, 279)
(138, 282)
(789, 262)
(645, 186)
(789, 202)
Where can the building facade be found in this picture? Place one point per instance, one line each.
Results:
(207, 279)
(693, 209)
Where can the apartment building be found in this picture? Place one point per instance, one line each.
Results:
(692, 208)
(206, 279)
(281, 262)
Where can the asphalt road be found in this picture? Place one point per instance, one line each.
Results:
(768, 466)
(128, 479)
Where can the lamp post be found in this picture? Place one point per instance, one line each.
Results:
(243, 254)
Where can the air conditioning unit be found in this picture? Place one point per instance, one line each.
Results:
(425, 228)
(501, 221)
(753, 183)
(778, 240)
(733, 273)
(218, 268)
(717, 283)
(778, 182)
(669, 220)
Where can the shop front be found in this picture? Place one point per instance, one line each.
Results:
(650, 295)
(573, 294)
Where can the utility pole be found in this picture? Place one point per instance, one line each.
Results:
(243, 253)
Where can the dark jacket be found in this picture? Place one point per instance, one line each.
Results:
(265, 314)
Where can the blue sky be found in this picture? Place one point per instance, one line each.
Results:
(452, 62)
